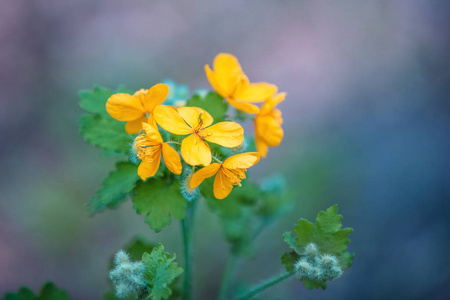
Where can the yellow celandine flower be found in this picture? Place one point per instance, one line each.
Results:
(149, 147)
(230, 82)
(268, 131)
(229, 173)
(138, 108)
(195, 122)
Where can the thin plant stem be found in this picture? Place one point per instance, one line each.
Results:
(258, 289)
(227, 276)
(186, 228)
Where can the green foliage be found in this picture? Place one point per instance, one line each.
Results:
(159, 200)
(160, 272)
(135, 248)
(247, 210)
(115, 187)
(213, 103)
(48, 292)
(97, 127)
(327, 234)
(110, 295)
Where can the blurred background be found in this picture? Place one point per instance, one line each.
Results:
(366, 126)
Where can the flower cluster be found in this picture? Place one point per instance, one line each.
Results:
(146, 115)
(317, 266)
(127, 277)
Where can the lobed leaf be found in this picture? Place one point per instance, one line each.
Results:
(115, 187)
(105, 132)
(97, 127)
(159, 200)
(160, 272)
(327, 234)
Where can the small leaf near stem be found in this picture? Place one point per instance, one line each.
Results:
(258, 289)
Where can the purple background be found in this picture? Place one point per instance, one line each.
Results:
(366, 126)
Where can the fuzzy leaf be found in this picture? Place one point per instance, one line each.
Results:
(159, 200)
(327, 234)
(212, 103)
(160, 272)
(115, 187)
(48, 292)
(105, 132)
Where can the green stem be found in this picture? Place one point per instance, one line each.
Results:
(227, 275)
(173, 142)
(217, 160)
(186, 228)
(265, 285)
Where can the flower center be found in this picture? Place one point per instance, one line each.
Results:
(235, 176)
(146, 148)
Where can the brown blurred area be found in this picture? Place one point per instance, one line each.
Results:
(366, 126)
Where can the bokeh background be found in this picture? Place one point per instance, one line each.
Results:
(366, 126)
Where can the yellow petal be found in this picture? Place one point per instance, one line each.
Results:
(172, 159)
(168, 118)
(228, 72)
(222, 186)
(212, 80)
(149, 168)
(195, 151)
(135, 126)
(255, 92)
(152, 132)
(124, 107)
(268, 128)
(272, 102)
(204, 173)
(261, 146)
(192, 116)
(227, 134)
(155, 96)
(244, 106)
(242, 161)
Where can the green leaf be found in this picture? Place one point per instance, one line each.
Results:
(94, 100)
(115, 187)
(110, 295)
(159, 200)
(105, 132)
(160, 272)
(213, 103)
(288, 259)
(24, 293)
(327, 234)
(48, 292)
(97, 127)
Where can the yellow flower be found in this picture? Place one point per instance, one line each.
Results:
(196, 122)
(229, 173)
(138, 108)
(149, 147)
(268, 131)
(230, 82)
